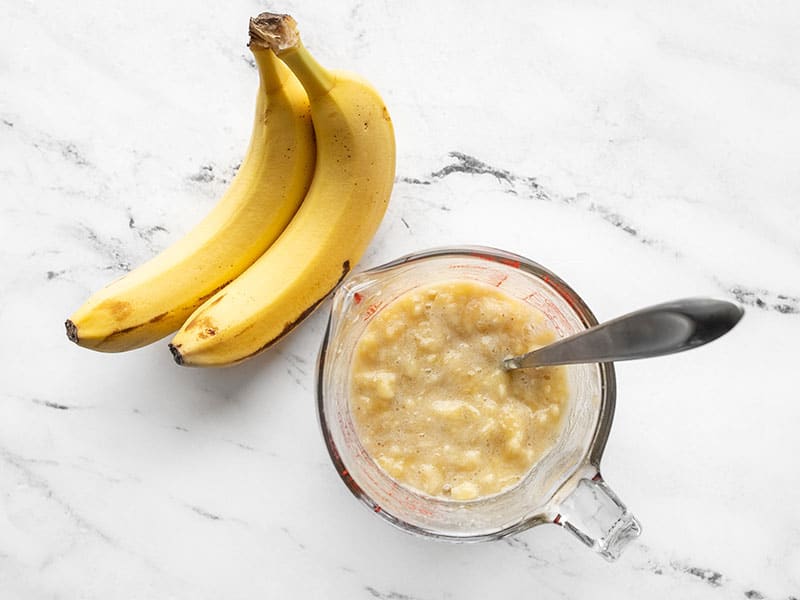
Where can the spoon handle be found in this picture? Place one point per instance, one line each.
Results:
(655, 331)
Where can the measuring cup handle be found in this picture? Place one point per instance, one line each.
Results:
(598, 518)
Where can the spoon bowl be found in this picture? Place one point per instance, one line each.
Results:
(653, 331)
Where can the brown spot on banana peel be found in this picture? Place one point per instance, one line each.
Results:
(117, 309)
(178, 357)
(160, 317)
(202, 327)
(72, 329)
(198, 322)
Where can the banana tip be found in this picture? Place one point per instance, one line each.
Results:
(176, 354)
(72, 331)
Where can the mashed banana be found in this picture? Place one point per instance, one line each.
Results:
(431, 401)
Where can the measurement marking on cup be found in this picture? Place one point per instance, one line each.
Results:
(372, 309)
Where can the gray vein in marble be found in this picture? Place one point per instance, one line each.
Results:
(204, 513)
(465, 164)
(204, 175)
(240, 445)
(294, 540)
(642, 560)
(355, 24)
(111, 249)
(247, 525)
(46, 403)
(766, 300)
(40, 484)
(620, 223)
(298, 362)
(412, 181)
(83, 524)
(469, 164)
(222, 440)
(520, 544)
(50, 404)
(146, 234)
(390, 595)
(473, 166)
(297, 368)
(84, 465)
(709, 576)
(72, 154)
(68, 150)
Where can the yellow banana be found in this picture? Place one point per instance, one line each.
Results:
(153, 300)
(347, 199)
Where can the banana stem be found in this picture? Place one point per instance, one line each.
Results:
(316, 79)
(272, 77)
(279, 33)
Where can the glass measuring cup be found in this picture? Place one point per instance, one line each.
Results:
(564, 487)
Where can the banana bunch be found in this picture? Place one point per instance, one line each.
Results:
(298, 216)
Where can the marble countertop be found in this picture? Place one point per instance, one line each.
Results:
(643, 151)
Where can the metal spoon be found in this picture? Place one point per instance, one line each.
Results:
(655, 331)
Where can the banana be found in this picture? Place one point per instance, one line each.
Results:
(345, 204)
(153, 300)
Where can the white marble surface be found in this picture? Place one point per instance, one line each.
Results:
(643, 150)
